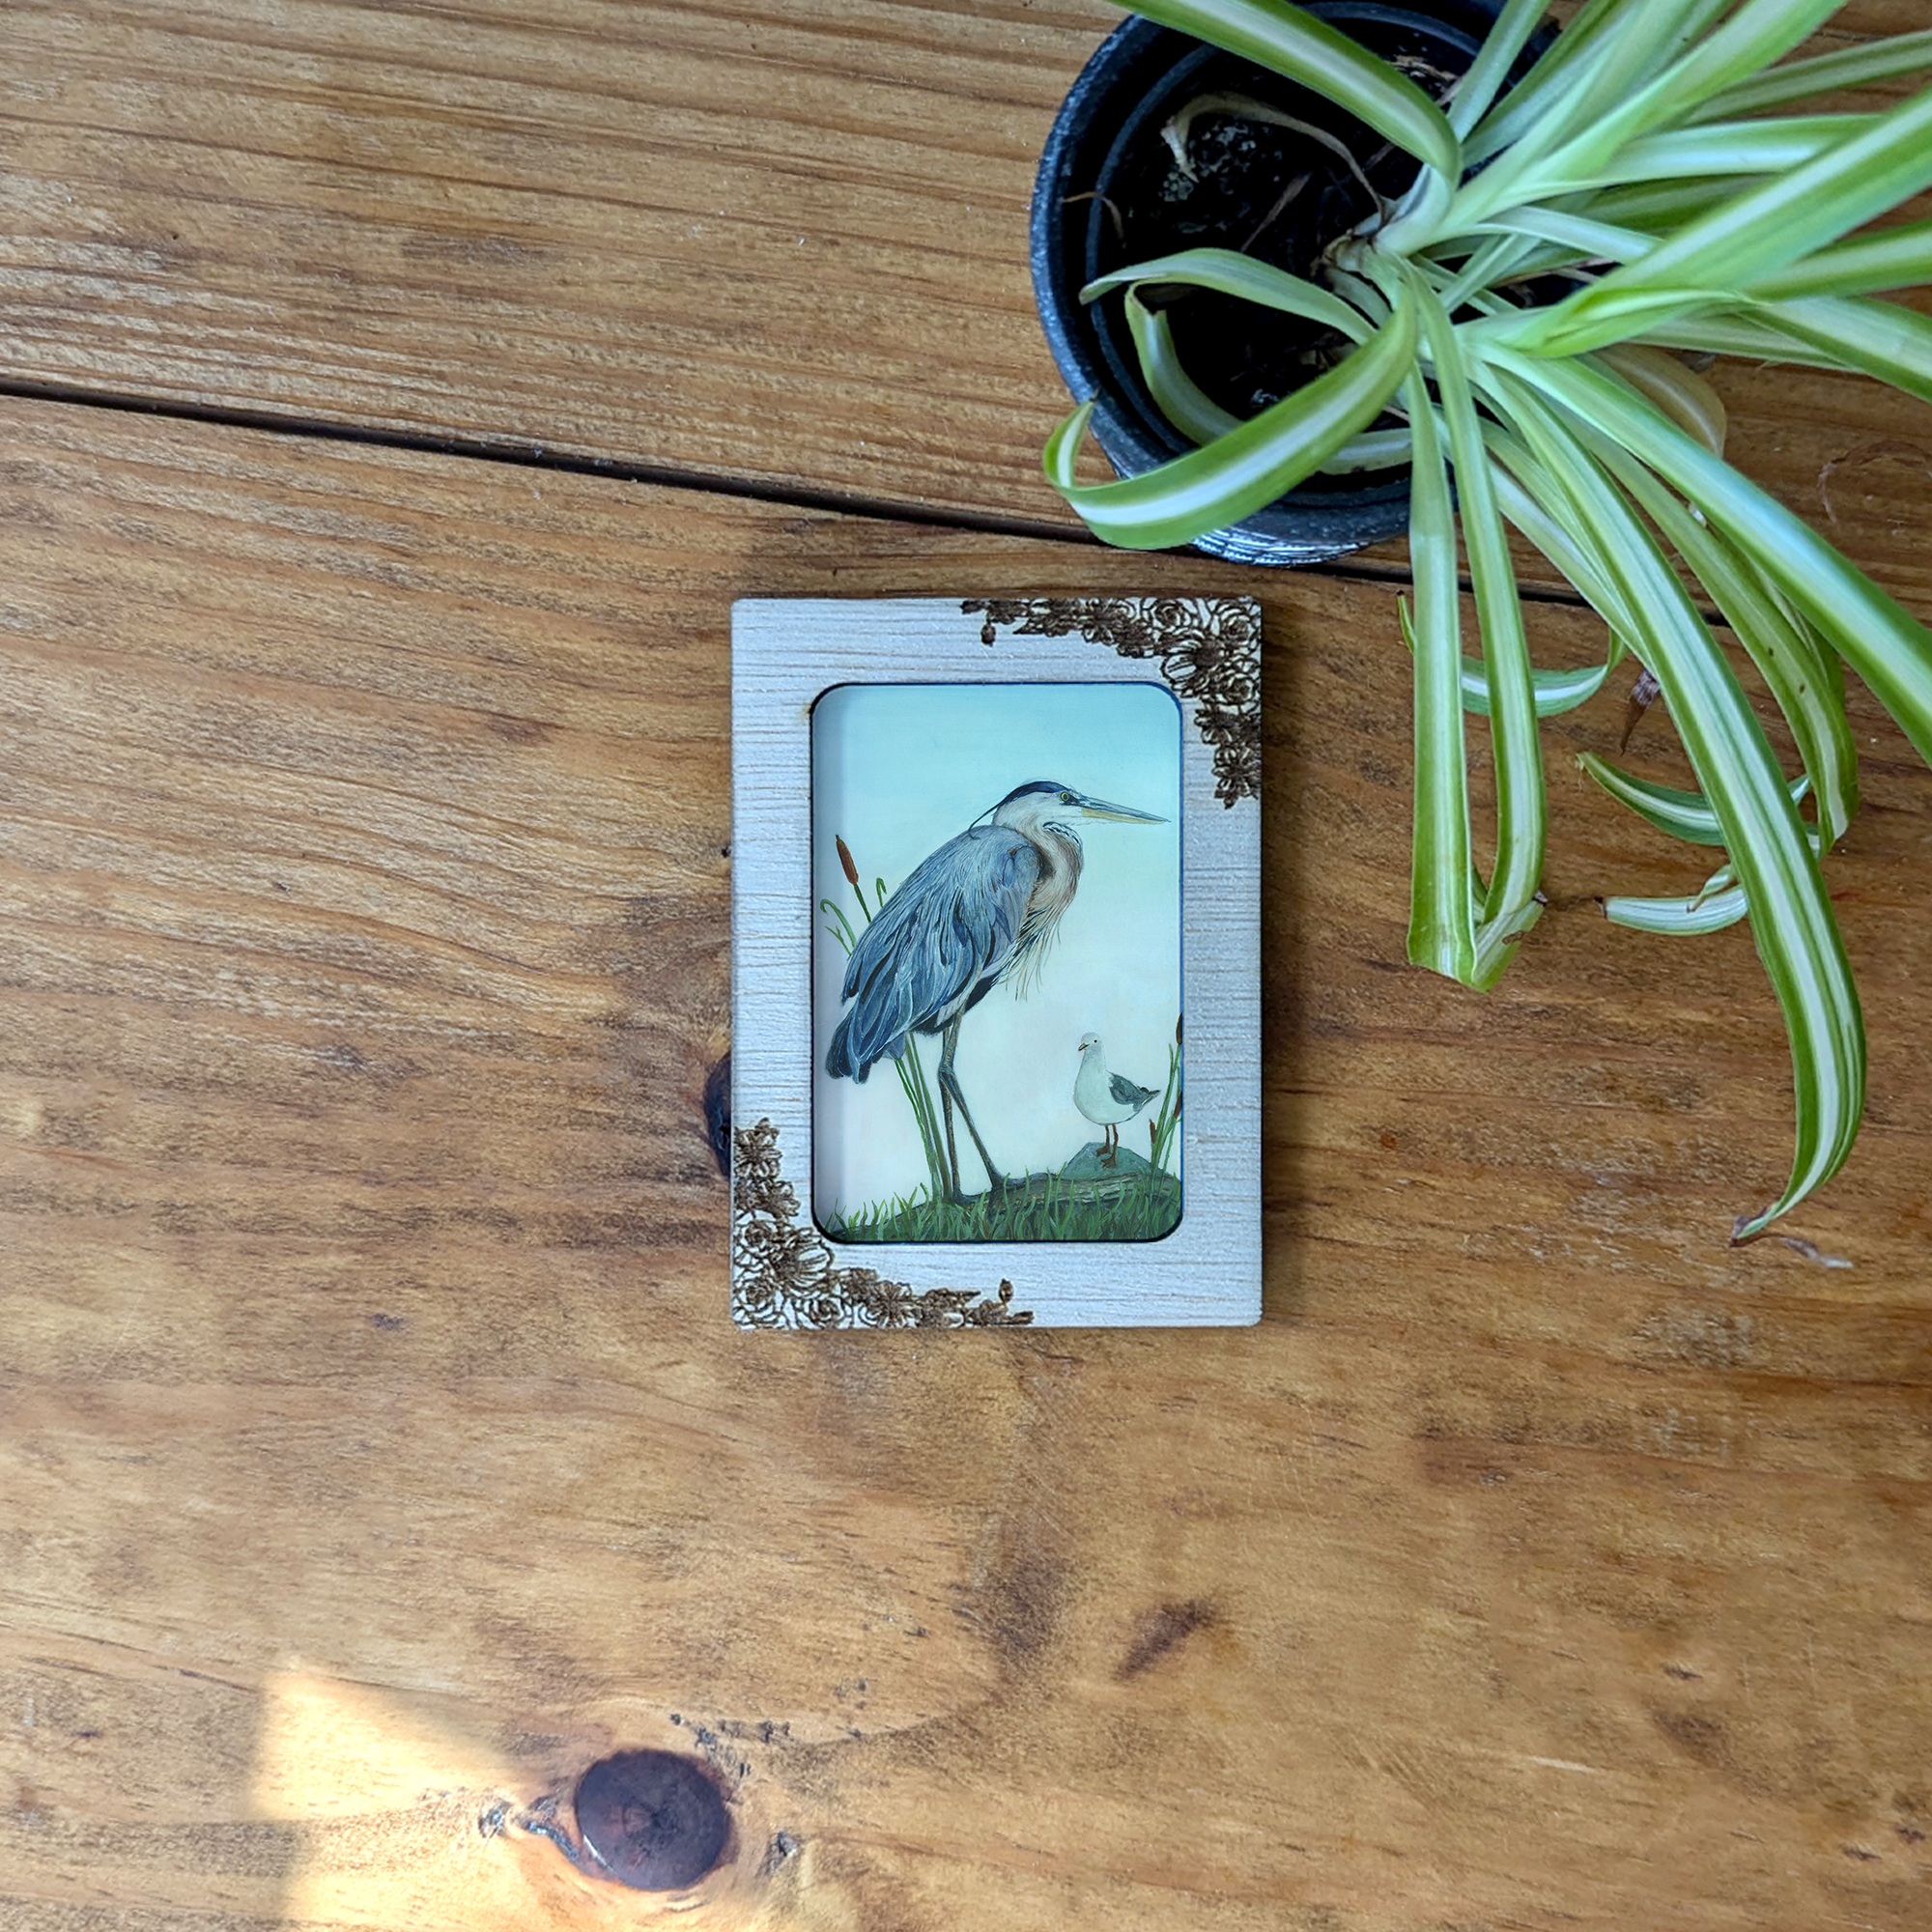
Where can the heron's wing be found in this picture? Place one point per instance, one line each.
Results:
(1125, 1094)
(953, 921)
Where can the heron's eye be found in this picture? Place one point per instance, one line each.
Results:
(1066, 798)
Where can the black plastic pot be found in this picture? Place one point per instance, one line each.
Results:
(1133, 84)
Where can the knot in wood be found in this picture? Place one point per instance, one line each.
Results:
(651, 1819)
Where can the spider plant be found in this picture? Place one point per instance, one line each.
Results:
(1644, 162)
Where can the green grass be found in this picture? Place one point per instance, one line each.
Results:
(1045, 1212)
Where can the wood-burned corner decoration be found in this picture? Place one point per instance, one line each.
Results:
(982, 900)
(1208, 650)
(783, 1274)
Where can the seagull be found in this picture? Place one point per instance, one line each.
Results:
(1105, 1098)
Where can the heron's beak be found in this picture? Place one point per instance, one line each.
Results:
(1098, 807)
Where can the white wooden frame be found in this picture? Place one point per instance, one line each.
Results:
(785, 1272)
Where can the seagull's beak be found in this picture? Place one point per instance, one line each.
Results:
(1098, 807)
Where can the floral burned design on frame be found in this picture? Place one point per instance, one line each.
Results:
(1208, 650)
(786, 1275)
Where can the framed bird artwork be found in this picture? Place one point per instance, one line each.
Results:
(995, 1014)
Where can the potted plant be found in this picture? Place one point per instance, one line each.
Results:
(1165, 141)
(1507, 314)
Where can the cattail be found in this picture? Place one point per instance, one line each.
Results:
(1176, 1023)
(845, 860)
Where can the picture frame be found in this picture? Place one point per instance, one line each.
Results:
(787, 1270)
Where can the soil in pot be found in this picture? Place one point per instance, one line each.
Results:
(1266, 190)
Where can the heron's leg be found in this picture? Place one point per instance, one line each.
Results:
(948, 1083)
(951, 1150)
(947, 1040)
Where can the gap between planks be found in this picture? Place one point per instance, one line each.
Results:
(533, 455)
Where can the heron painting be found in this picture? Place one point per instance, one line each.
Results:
(1011, 915)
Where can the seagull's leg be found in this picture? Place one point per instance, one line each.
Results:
(948, 1083)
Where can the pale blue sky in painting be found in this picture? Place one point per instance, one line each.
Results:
(899, 769)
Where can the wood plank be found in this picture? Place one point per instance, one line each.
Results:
(378, 1450)
(780, 246)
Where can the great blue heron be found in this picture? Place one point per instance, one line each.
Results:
(980, 910)
(1106, 1098)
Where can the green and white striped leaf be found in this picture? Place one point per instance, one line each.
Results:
(1526, 495)
(1373, 449)
(1229, 273)
(1477, 87)
(1657, 206)
(1248, 467)
(1719, 902)
(1785, 653)
(1894, 344)
(1571, 328)
(1287, 41)
(1194, 413)
(1200, 418)
(1751, 235)
(1792, 924)
(1680, 392)
(1578, 234)
(1557, 690)
(1750, 336)
(1873, 62)
(1442, 882)
(1583, 45)
(1577, 143)
(1889, 257)
(1703, 912)
(1734, 147)
(1510, 905)
(1604, 58)
(1686, 816)
(1756, 32)
(1888, 647)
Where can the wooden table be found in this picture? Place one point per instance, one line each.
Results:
(396, 396)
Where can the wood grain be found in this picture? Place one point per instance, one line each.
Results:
(783, 248)
(378, 1450)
